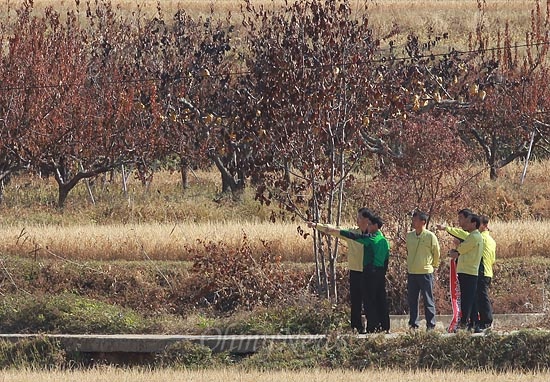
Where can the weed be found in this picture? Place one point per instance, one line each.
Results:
(37, 353)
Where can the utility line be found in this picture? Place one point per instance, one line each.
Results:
(248, 72)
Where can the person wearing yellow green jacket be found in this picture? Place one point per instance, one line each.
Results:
(482, 314)
(484, 307)
(469, 254)
(355, 255)
(376, 252)
(375, 264)
(423, 255)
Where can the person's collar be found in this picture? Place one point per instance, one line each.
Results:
(421, 231)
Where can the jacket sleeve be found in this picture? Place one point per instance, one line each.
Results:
(436, 251)
(466, 246)
(323, 228)
(459, 233)
(364, 239)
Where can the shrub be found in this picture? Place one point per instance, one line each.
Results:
(278, 356)
(525, 350)
(227, 278)
(185, 354)
(40, 353)
(66, 313)
(304, 316)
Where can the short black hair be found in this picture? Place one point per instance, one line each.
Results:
(484, 219)
(466, 212)
(374, 219)
(365, 212)
(421, 215)
(475, 219)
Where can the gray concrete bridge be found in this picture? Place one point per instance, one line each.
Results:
(152, 343)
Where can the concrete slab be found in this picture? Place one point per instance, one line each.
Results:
(501, 321)
(150, 343)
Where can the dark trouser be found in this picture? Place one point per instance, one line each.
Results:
(356, 299)
(468, 290)
(376, 305)
(417, 284)
(483, 303)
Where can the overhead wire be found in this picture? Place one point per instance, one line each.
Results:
(248, 72)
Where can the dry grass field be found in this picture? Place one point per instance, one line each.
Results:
(158, 241)
(426, 18)
(164, 224)
(139, 375)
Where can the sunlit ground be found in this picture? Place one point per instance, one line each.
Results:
(227, 375)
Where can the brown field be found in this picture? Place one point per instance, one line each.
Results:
(426, 18)
(164, 224)
(176, 241)
(138, 375)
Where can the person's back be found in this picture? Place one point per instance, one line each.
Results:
(488, 256)
(483, 318)
(355, 250)
(377, 250)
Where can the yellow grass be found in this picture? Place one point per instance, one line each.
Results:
(174, 241)
(137, 375)
(458, 17)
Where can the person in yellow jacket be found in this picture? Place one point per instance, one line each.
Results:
(355, 263)
(423, 253)
(484, 307)
(482, 314)
(376, 252)
(469, 254)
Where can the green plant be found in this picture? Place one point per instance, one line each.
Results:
(185, 354)
(39, 353)
(66, 313)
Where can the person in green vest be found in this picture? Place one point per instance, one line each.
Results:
(355, 263)
(376, 255)
(423, 255)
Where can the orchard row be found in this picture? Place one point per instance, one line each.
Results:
(293, 100)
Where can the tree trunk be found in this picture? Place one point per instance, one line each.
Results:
(4, 179)
(493, 172)
(64, 190)
(184, 169)
(229, 184)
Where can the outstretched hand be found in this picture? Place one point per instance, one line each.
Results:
(440, 227)
(311, 224)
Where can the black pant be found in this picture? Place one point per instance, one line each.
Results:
(468, 296)
(356, 299)
(376, 305)
(483, 303)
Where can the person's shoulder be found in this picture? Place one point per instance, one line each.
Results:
(430, 234)
(489, 238)
(411, 234)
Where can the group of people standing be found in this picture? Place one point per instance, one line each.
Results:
(368, 257)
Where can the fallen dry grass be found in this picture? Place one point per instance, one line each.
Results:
(141, 375)
(157, 241)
